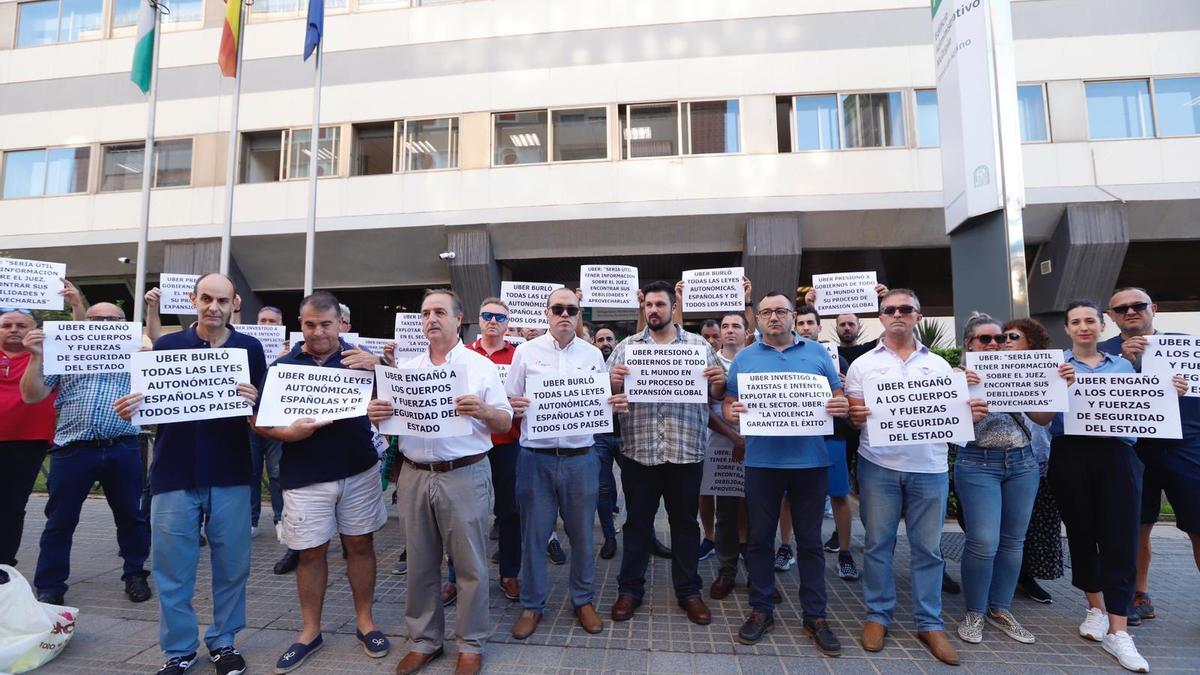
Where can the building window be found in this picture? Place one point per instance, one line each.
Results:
(1119, 109)
(51, 21)
(711, 127)
(580, 133)
(122, 165)
(816, 122)
(928, 134)
(431, 144)
(1031, 106)
(299, 152)
(650, 130)
(45, 171)
(1177, 103)
(184, 13)
(290, 9)
(374, 148)
(874, 120)
(262, 156)
(520, 137)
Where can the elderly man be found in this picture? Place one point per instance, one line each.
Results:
(445, 493)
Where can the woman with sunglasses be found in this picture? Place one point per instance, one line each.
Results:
(1043, 558)
(996, 478)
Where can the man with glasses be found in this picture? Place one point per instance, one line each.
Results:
(664, 447)
(25, 431)
(91, 443)
(908, 481)
(1172, 466)
(556, 475)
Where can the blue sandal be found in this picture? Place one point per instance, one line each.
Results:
(295, 655)
(375, 643)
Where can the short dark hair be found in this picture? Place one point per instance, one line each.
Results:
(785, 296)
(1035, 333)
(455, 301)
(710, 323)
(322, 301)
(1083, 302)
(808, 309)
(739, 315)
(660, 287)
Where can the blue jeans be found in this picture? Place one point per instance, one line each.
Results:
(546, 486)
(175, 519)
(805, 490)
(886, 496)
(73, 471)
(608, 447)
(269, 451)
(996, 489)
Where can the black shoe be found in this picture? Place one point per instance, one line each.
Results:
(755, 627)
(203, 540)
(3, 577)
(661, 551)
(51, 598)
(824, 639)
(555, 552)
(1132, 618)
(227, 661)
(831, 545)
(137, 589)
(178, 665)
(401, 567)
(1034, 590)
(949, 585)
(287, 564)
(609, 550)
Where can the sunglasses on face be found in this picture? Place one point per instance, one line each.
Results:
(1000, 338)
(1138, 307)
(569, 310)
(6, 310)
(900, 309)
(493, 316)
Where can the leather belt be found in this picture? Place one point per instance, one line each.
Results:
(443, 467)
(100, 442)
(562, 452)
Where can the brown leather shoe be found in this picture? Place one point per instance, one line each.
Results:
(872, 636)
(511, 587)
(527, 622)
(697, 611)
(589, 619)
(624, 607)
(721, 587)
(468, 664)
(414, 661)
(937, 644)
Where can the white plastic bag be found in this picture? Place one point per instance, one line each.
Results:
(31, 633)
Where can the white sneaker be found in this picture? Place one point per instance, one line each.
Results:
(1095, 625)
(253, 531)
(1120, 645)
(1006, 622)
(971, 628)
(279, 531)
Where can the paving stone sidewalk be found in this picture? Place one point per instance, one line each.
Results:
(116, 636)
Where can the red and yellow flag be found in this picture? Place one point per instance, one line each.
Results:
(231, 34)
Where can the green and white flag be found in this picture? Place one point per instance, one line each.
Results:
(143, 50)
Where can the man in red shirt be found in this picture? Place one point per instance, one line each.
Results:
(26, 431)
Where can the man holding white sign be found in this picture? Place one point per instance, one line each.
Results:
(330, 478)
(444, 491)
(785, 390)
(201, 470)
(909, 481)
(552, 386)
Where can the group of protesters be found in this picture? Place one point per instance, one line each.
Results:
(1016, 483)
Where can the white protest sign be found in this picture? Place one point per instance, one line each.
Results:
(784, 404)
(723, 477)
(526, 303)
(568, 405)
(31, 284)
(185, 385)
(608, 285)
(833, 354)
(296, 392)
(930, 409)
(270, 336)
(1123, 404)
(175, 289)
(1169, 355)
(372, 345)
(410, 337)
(714, 290)
(423, 401)
(846, 293)
(502, 370)
(666, 374)
(89, 346)
(1021, 381)
(514, 340)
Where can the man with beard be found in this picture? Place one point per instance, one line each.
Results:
(608, 447)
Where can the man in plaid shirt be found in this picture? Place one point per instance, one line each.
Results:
(663, 445)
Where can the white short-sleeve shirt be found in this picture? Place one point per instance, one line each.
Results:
(543, 356)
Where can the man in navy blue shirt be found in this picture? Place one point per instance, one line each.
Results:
(201, 469)
(792, 466)
(1172, 466)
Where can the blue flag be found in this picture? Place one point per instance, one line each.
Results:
(316, 26)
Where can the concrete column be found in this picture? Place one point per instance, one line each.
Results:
(201, 256)
(987, 261)
(772, 253)
(474, 272)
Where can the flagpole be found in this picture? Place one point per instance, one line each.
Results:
(231, 157)
(311, 232)
(139, 286)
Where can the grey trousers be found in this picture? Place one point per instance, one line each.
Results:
(446, 511)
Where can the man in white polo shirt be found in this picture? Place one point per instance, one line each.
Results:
(908, 481)
(445, 496)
